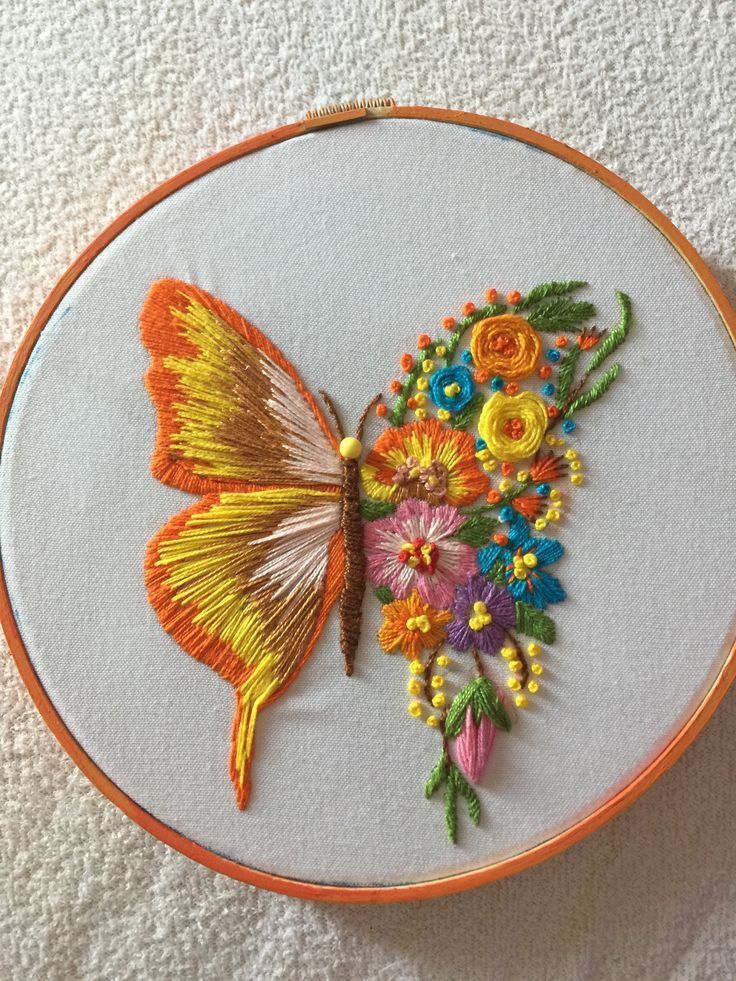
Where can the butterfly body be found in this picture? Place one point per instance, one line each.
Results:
(245, 578)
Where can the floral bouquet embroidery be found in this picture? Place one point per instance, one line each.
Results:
(245, 577)
(460, 580)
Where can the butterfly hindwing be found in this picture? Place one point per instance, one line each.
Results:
(244, 581)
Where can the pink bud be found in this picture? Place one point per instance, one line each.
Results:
(473, 745)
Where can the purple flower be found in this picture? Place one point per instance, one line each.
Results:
(474, 744)
(482, 614)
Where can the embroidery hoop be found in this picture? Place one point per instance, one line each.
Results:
(454, 882)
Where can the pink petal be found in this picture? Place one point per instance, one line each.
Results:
(474, 744)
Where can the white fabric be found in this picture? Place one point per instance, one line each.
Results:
(509, 897)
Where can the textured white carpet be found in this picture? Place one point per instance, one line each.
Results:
(102, 100)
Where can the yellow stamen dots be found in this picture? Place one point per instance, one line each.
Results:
(555, 495)
(515, 665)
(414, 686)
(507, 652)
(422, 384)
(416, 667)
(576, 465)
(440, 700)
(437, 681)
(420, 413)
(521, 701)
(513, 683)
(420, 623)
(444, 415)
(432, 721)
(427, 366)
(522, 477)
(415, 709)
(443, 660)
(420, 398)
(519, 568)
(571, 454)
(350, 448)
(533, 687)
(484, 455)
(489, 466)
(440, 350)
(553, 515)
(505, 486)
(533, 650)
(452, 390)
(577, 479)
(481, 617)
(540, 524)
(537, 668)
(530, 560)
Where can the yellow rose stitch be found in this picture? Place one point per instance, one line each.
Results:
(506, 345)
(513, 425)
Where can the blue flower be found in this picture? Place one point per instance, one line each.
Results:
(452, 387)
(524, 560)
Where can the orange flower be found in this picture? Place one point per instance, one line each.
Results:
(513, 297)
(590, 337)
(395, 386)
(411, 626)
(406, 362)
(491, 295)
(467, 308)
(548, 466)
(530, 505)
(424, 340)
(449, 323)
(506, 345)
(425, 460)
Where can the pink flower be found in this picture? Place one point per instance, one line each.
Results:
(474, 744)
(414, 548)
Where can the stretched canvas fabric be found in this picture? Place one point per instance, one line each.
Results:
(342, 246)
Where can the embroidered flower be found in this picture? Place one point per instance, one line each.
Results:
(425, 460)
(452, 388)
(414, 548)
(506, 345)
(482, 614)
(411, 626)
(474, 744)
(524, 560)
(513, 425)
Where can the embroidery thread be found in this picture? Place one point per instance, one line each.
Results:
(245, 578)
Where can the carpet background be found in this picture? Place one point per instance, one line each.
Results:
(102, 101)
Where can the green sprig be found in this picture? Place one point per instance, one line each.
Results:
(534, 623)
(465, 416)
(560, 313)
(616, 337)
(595, 391)
(567, 374)
(543, 290)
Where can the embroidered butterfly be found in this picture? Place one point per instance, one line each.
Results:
(245, 578)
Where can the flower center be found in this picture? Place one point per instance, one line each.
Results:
(481, 617)
(420, 555)
(432, 478)
(522, 564)
(452, 390)
(420, 623)
(514, 427)
(504, 344)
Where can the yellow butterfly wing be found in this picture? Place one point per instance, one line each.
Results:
(244, 579)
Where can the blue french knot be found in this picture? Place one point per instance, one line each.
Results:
(466, 357)
(568, 425)
(553, 354)
(543, 490)
(480, 444)
(548, 389)
(507, 513)
(497, 383)
(453, 374)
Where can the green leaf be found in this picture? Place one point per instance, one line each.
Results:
(543, 290)
(465, 416)
(477, 530)
(384, 595)
(595, 391)
(469, 794)
(456, 714)
(497, 573)
(486, 700)
(436, 777)
(560, 313)
(616, 337)
(451, 808)
(567, 374)
(370, 509)
(534, 623)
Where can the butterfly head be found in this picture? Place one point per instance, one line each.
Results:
(350, 448)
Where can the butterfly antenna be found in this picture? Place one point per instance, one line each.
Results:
(364, 415)
(334, 413)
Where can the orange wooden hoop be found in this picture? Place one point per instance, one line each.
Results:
(451, 883)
